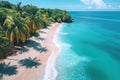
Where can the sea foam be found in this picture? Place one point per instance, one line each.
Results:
(63, 33)
(69, 58)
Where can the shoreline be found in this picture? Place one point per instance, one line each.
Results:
(41, 51)
(52, 59)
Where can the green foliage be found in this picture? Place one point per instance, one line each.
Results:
(5, 4)
(16, 29)
(18, 23)
(19, 8)
(36, 34)
(4, 45)
(56, 15)
(32, 10)
(2, 18)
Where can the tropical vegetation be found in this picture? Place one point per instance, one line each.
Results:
(18, 23)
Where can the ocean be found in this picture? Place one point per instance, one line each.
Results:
(90, 47)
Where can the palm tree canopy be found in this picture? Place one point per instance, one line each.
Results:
(16, 29)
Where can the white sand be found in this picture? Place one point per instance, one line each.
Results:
(43, 69)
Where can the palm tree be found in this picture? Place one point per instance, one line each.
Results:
(2, 19)
(33, 23)
(43, 19)
(16, 29)
(5, 4)
(32, 19)
(4, 45)
(19, 8)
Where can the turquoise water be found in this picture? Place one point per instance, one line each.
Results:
(90, 47)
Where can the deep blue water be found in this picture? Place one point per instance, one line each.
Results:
(90, 47)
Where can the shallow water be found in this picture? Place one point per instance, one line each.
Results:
(90, 47)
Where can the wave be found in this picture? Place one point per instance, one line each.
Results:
(114, 20)
(50, 66)
(65, 45)
(63, 33)
(69, 58)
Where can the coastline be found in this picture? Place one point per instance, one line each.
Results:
(49, 50)
(50, 71)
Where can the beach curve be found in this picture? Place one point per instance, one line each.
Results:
(50, 71)
(36, 72)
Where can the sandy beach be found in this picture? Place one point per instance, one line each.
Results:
(35, 61)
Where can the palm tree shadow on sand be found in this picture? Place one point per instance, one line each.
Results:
(29, 62)
(35, 45)
(40, 38)
(7, 69)
(43, 32)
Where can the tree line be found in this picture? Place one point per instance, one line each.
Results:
(18, 23)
